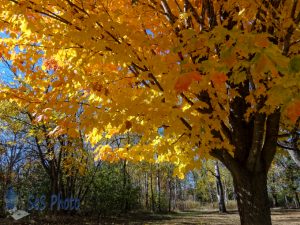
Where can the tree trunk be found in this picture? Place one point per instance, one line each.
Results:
(287, 204)
(158, 189)
(296, 199)
(225, 192)
(146, 191)
(54, 185)
(220, 190)
(2, 204)
(275, 200)
(152, 192)
(170, 190)
(170, 196)
(125, 197)
(211, 195)
(252, 199)
(175, 193)
(255, 147)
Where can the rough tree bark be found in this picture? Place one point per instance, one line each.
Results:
(255, 143)
(252, 199)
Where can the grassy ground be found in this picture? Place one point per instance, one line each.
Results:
(279, 217)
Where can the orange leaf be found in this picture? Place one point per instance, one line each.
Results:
(230, 60)
(261, 42)
(219, 78)
(51, 64)
(184, 81)
(293, 111)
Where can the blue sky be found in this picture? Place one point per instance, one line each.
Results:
(6, 75)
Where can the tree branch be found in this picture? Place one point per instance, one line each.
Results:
(168, 12)
(269, 148)
(257, 141)
(232, 165)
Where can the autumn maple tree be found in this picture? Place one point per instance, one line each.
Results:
(193, 78)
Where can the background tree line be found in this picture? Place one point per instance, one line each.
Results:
(35, 162)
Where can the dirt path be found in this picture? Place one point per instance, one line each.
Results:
(279, 217)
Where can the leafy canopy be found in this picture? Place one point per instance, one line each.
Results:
(139, 66)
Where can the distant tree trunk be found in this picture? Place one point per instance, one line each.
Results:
(2, 204)
(225, 192)
(170, 193)
(275, 200)
(152, 191)
(158, 188)
(125, 197)
(296, 199)
(140, 194)
(146, 191)
(220, 190)
(175, 193)
(273, 193)
(180, 190)
(211, 195)
(286, 200)
(195, 178)
(53, 178)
